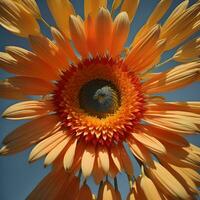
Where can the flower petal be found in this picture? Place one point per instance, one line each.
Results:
(126, 161)
(108, 192)
(23, 62)
(177, 29)
(69, 155)
(113, 170)
(98, 172)
(139, 151)
(32, 7)
(115, 154)
(104, 158)
(184, 156)
(54, 178)
(116, 4)
(76, 165)
(78, 35)
(120, 33)
(91, 35)
(46, 145)
(103, 29)
(29, 133)
(166, 182)
(73, 186)
(92, 7)
(185, 180)
(87, 162)
(130, 7)
(187, 106)
(54, 153)
(27, 110)
(15, 18)
(150, 142)
(21, 86)
(177, 77)
(61, 11)
(85, 193)
(64, 43)
(188, 52)
(141, 50)
(185, 121)
(159, 12)
(194, 175)
(49, 52)
(149, 189)
(165, 135)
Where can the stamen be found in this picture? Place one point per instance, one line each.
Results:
(99, 101)
(99, 98)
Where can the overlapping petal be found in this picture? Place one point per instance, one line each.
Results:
(17, 19)
(61, 11)
(172, 79)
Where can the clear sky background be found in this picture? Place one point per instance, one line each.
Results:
(17, 177)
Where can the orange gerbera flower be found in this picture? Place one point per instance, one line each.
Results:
(90, 105)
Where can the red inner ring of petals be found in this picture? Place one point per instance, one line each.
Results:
(112, 129)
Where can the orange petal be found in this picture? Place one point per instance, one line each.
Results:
(64, 44)
(23, 62)
(29, 133)
(46, 145)
(175, 78)
(166, 182)
(176, 120)
(92, 7)
(120, 33)
(116, 4)
(32, 7)
(184, 156)
(78, 35)
(113, 170)
(165, 135)
(70, 154)
(159, 11)
(104, 158)
(130, 7)
(91, 35)
(180, 24)
(98, 172)
(185, 180)
(115, 154)
(127, 164)
(15, 18)
(24, 86)
(49, 52)
(142, 48)
(149, 189)
(103, 29)
(52, 180)
(188, 106)
(28, 110)
(85, 193)
(87, 162)
(61, 11)
(108, 192)
(139, 151)
(54, 153)
(150, 142)
(188, 52)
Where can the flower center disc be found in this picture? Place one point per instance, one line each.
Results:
(99, 98)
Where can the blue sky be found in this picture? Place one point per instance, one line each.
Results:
(18, 178)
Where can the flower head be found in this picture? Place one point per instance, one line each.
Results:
(93, 96)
